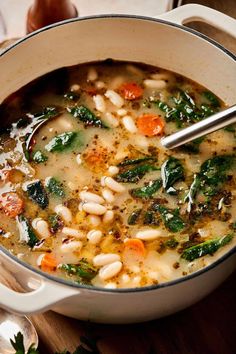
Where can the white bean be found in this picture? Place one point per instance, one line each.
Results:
(129, 124)
(108, 195)
(159, 76)
(108, 217)
(92, 74)
(78, 159)
(94, 236)
(110, 270)
(105, 258)
(91, 197)
(94, 220)
(73, 232)
(99, 103)
(42, 228)
(71, 246)
(125, 278)
(64, 212)
(110, 286)
(113, 170)
(94, 208)
(115, 98)
(113, 185)
(111, 120)
(121, 112)
(39, 259)
(148, 234)
(155, 84)
(75, 87)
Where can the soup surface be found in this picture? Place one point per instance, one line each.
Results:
(88, 193)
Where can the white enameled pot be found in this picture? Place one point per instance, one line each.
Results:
(163, 42)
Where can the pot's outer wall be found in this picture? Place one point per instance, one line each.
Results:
(123, 38)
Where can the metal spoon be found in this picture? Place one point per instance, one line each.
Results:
(10, 325)
(206, 126)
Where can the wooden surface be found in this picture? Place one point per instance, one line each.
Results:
(208, 327)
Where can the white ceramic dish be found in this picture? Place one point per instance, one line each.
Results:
(159, 42)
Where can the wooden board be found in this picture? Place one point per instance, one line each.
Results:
(208, 327)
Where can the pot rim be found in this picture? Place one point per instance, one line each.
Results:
(122, 290)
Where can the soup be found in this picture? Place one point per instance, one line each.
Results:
(88, 193)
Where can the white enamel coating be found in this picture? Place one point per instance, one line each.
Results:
(134, 39)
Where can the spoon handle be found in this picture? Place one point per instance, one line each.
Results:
(206, 126)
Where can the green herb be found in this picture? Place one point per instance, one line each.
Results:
(55, 222)
(231, 129)
(37, 194)
(84, 271)
(136, 161)
(207, 247)
(148, 190)
(172, 243)
(150, 218)
(87, 117)
(39, 157)
(171, 172)
(214, 101)
(55, 187)
(18, 344)
(135, 174)
(171, 218)
(26, 232)
(133, 217)
(213, 173)
(64, 141)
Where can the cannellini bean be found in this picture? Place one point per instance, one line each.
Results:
(108, 195)
(108, 217)
(39, 259)
(160, 76)
(113, 185)
(134, 69)
(99, 103)
(91, 197)
(155, 84)
(92, 75)
(105, 258)
(148, 234)
(73, 232)
(71, 246)
(94, 236)
(42, 228)
(94, 220)
(129, 124)
(94, 208)
(136, 281)
(121, 112)
(78, 159)
(100, 84)
(111, 120)
(64, 212)
(110, 270)
(125, 278)
(115, 98)
(113, 170)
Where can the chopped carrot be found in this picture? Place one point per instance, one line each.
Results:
(131, 91)
(135, 245)
(11, 203)
(91, 91)
(48, 263)
(150, 124)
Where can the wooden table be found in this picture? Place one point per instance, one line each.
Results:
(208, 327)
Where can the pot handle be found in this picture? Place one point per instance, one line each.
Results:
(194, 12)
(42, 293)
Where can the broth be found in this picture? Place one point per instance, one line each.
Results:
(88, 193)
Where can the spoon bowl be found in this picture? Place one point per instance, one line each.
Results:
(10, 325)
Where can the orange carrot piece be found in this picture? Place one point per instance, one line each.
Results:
(150, 124)
(11, 203)
(131, 91)
(48, 263)
(135, 245)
